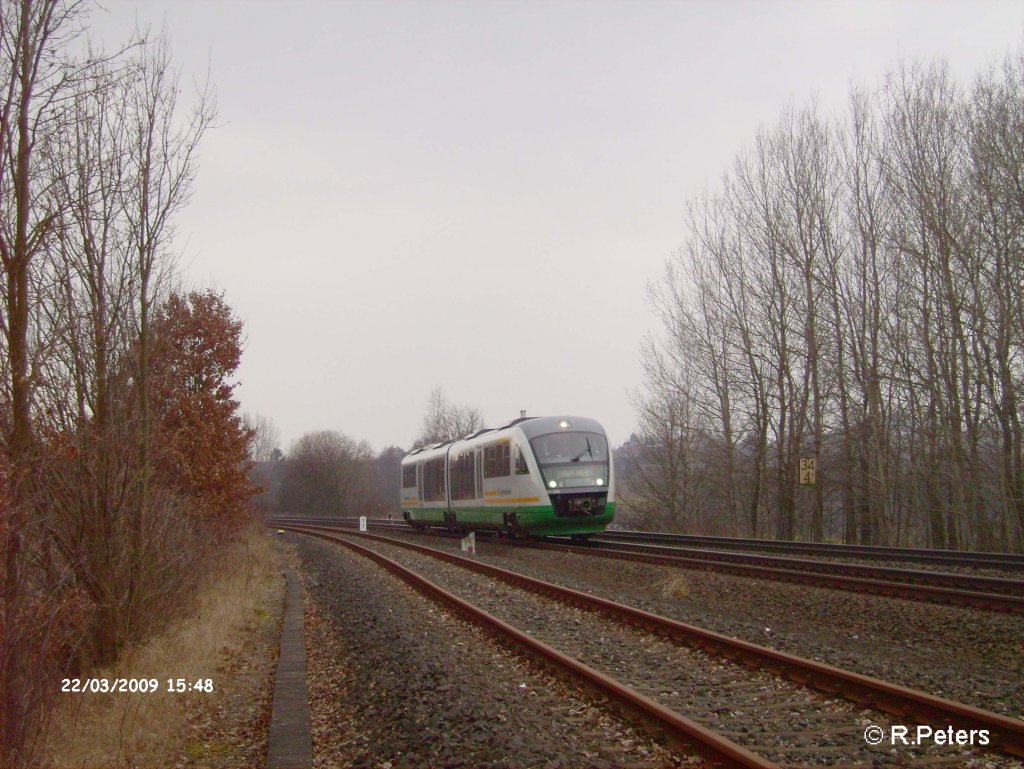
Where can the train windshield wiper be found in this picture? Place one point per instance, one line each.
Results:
(585, 451)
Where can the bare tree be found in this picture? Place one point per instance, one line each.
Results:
(265, 454)
(163, 145)
(35, 75)
(386, 496)
(266, 437)
(95, 160)
(996, 147)
(328, 474)
(446, 421)
(853, 293)
(668, 489)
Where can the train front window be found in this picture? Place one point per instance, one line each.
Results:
(572, 460)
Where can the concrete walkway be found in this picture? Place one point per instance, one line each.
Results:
(291, 745)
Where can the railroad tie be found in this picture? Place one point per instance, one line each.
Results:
(290, 741)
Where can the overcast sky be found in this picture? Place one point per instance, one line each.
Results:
(473, 195)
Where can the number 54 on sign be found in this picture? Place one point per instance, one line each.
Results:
(807, 471)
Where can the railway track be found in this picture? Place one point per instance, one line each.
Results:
(990, 593)
(960, 581)
(959, 558)
(813, 715)
(968, 559)
(968, 590)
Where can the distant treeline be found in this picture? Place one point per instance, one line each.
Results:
(326, 473)
(852, 292)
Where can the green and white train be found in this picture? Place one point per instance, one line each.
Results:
(532, 476)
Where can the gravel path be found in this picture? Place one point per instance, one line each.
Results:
(783, 721)
(971, 656)
(397, 681)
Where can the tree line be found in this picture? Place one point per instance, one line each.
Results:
(852, 293)
(123, 464)
(327, 473)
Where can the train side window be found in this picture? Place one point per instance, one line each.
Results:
(433, 480)
(490, 461)
(498, 460)
(408, 476)
(521, 468)
(462, 476)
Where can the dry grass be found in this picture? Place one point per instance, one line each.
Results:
(675, 586)
(244, 592)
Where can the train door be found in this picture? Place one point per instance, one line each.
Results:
(479, 464)
(448, 483)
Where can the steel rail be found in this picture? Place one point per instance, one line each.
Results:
(974, 558)
(970, 582)
(934, 594)
(970, 558)
(912, 584)
(1005, 732)
(718, 749)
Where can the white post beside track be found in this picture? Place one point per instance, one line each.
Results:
(469, 543)
(362, 523)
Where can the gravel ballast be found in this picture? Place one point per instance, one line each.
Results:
(783, 721)
(396, 680)
(963, 654)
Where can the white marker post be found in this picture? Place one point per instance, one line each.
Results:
(469, 543)
(362, 523)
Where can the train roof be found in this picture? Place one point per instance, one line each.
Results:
(544, 425)
(531, 427)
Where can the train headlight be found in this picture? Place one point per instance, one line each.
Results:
(600, 481)
(552, 484)
(565, 423)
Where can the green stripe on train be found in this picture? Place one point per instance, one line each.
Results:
(536, 519)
